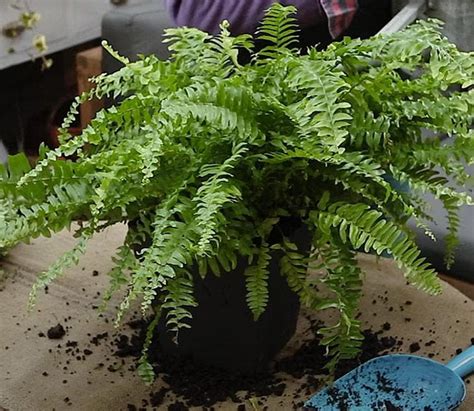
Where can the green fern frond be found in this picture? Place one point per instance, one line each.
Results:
(359, 226)
(226, 49)
(224, 106)
(169, 251)
(426, 229)
(323, 114)
(56, 206)
(257, 281)
(368, 131)
(145, 369)
(67, 260)
(213, 195)
(124, 261)
(431, 152)
(178, 298)
(279, 28)
(451, 239)
(186, 44)
(17, 166)
(344, 279)
(294, 267)
(430, 181)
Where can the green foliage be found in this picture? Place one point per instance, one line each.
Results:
(145, 369)
(68, 259)
(204, 156)
(279, 30)
(257, 282)
(344, 279)
(294, 266)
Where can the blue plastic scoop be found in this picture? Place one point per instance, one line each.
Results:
(399, 382)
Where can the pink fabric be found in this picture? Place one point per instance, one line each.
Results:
(340, 14)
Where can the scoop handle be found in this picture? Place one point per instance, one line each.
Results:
(463, 364)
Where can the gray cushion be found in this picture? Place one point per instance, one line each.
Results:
(3, 153)
(133, 30)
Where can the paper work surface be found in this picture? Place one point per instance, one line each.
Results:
(80, 372)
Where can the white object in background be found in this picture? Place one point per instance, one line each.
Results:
(405, 16)
(65, 23)
(3, 154)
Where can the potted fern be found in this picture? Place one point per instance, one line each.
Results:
(233, 179)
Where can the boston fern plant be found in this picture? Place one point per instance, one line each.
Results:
(204, 155)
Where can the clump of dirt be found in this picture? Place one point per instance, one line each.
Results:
(414, 347)
(57, 332)
(98, 338)
(310, 361)
(128, 346)
(199, 386)
(156, 398)
(178, 406)
(184, 384)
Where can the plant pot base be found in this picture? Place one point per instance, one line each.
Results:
(223, 332)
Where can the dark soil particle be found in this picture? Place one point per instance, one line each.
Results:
(386, 326)
(57, 332)
(98, 338)
(178, 406)
(156, 398)
(414, 347)
(390, 407)
(127, 347)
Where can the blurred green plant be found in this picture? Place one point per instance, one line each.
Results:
(28, 20)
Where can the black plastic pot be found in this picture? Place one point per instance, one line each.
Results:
(223, 332)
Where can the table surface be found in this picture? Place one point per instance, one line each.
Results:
(446, 319)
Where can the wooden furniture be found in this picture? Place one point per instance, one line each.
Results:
(467, 288)
(88, 64)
